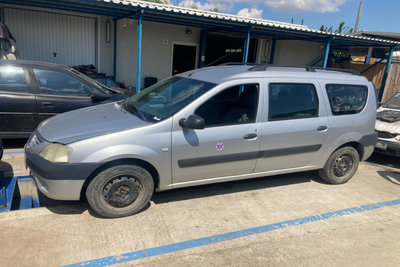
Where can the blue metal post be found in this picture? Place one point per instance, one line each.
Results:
(115, 50)
(272, 58)
(139, 50)
(386, 73)
(203, 43)
(246, 47)
(326, 53)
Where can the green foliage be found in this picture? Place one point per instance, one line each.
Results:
(341, 29)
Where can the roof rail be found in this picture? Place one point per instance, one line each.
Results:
(354, 72)
(238, 64)
(264, 67)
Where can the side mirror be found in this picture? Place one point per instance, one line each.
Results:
(98, 96)
(192, 122)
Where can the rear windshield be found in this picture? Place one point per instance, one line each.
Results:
(347, 99)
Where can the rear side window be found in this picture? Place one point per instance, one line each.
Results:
(12, 79)
(289, 101)
(59, 83)
(346, 99)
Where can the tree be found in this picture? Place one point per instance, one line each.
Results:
(341, 29)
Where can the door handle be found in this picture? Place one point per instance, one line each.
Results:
(47, 104)
(250, 136)
(322, 128)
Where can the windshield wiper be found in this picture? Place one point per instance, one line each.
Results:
(131, 109)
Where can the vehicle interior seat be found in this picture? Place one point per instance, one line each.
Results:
(245, 108)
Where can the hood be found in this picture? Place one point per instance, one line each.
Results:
(387, 120)
(88, 122)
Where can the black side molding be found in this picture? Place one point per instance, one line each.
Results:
(184, 163)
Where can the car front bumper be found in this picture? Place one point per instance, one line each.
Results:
(61, 181)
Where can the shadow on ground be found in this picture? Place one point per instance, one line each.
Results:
(235, 187)
(76, 207)
(386, 160)
(393, 177)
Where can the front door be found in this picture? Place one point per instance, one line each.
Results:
(59, 92)
(184, 58)
(18, 113)
(228, 145)
(296, 127)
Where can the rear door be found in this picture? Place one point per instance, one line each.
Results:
(18, 113)
(59, 92)
(295, 126)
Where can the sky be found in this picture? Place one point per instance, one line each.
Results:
(376, 15)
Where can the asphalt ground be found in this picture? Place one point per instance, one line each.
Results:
(283, 220)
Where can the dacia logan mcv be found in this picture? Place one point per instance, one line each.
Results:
(204, 126)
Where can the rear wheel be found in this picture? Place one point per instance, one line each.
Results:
(120, 191)
(340, 166)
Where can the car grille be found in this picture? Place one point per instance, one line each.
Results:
(386, 135)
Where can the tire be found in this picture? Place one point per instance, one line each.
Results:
(120, 191)
(340, 166)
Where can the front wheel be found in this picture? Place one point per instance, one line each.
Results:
(340, 166)
(120, 191)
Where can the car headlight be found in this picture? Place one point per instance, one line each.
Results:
(57, 153)
(397, 137)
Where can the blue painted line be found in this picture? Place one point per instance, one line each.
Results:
(13, 152)
(145, 253)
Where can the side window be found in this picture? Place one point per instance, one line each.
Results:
(59, 83)
(289, 101)
(12, 79)
(235, 105)
(346, 99)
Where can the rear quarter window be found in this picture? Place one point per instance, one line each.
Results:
(346, 99)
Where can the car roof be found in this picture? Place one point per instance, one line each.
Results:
(224, 73)
(34, 64)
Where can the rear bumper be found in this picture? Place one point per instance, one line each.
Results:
(392, 148)
(61, 181)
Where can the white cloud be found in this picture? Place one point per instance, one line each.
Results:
(253, 13)
(295, 6)
(223, 6)
(283, 6)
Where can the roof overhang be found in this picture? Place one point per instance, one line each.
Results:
(206, 20)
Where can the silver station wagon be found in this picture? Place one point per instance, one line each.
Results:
(205, 126)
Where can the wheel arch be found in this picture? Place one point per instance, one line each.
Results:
(356, 145)
(132, 161)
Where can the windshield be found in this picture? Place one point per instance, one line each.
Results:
(393, 102)
(165, 98)
(97, 84)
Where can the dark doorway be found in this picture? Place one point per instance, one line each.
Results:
(184, 58)
(224, 49)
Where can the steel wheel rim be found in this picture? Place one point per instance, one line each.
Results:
(121, 191)
(343, 165)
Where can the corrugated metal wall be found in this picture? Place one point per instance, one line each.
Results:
(44, 36)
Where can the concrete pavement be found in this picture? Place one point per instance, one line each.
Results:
(68, 234)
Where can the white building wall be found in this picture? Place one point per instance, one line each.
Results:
(40, 34)
(299, 53)
(105, 50)
(156, 49)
